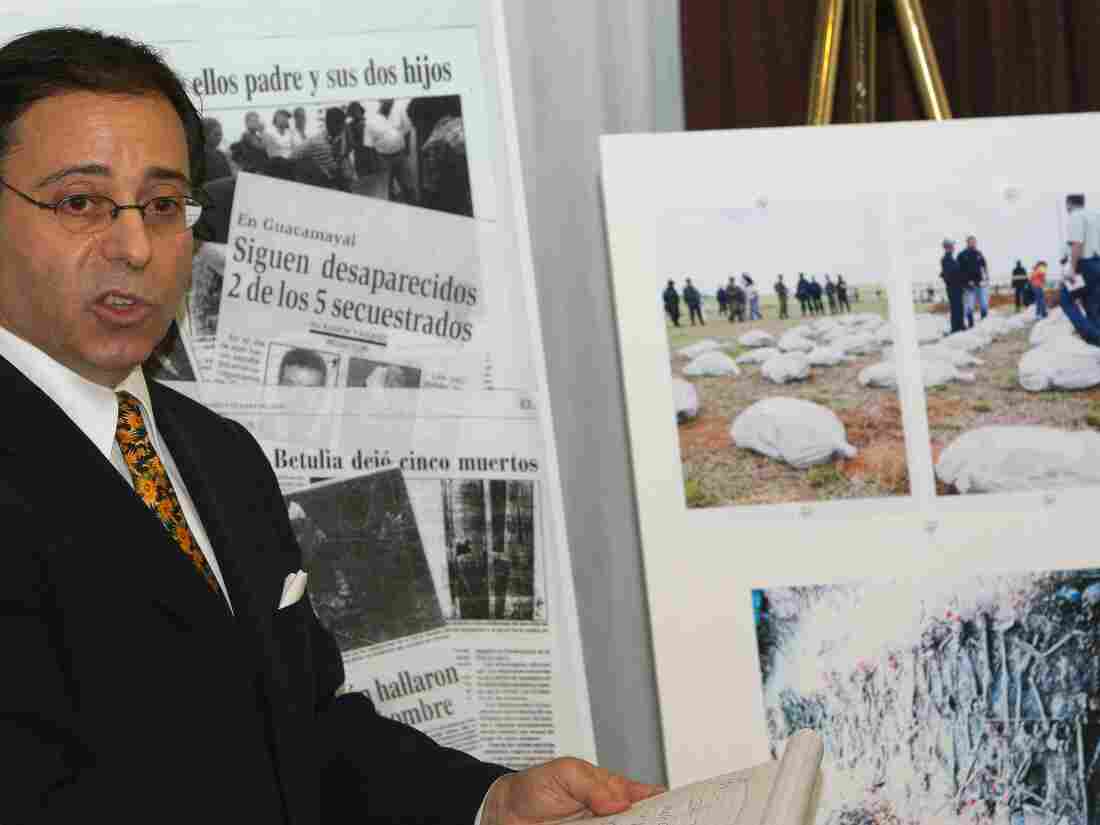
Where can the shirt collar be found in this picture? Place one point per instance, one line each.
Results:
(92, 407)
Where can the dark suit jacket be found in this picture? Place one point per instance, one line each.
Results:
(131, 694)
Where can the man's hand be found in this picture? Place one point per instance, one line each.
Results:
(561, 789)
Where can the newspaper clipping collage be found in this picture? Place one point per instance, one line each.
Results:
(358, 303)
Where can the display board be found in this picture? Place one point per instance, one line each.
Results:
(363, 301)
(852, 520)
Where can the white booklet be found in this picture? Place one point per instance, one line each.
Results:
(773, 793)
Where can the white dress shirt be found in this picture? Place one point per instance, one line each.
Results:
(1084, 228)
(93, 408)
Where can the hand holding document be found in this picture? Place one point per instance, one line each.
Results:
(773, 793)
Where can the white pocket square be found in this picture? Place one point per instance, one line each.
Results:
(293, 589)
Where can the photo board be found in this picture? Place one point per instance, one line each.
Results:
(879, 528)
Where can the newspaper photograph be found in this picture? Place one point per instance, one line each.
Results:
(172, 360)
(489, 536)
(370, 584)
(204, 300)
(368, 575)
(405, 150)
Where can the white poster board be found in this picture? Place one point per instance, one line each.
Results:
(845, 563)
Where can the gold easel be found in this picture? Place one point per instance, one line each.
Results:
(862, 33)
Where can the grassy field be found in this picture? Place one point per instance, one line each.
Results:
(717, 473)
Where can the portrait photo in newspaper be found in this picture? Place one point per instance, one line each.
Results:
(947, 699)
(293, 366)
(369, 578)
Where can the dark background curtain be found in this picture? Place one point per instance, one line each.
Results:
(747, 62)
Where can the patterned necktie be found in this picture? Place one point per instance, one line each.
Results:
(152, 484)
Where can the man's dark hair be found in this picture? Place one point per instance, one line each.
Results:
(52, 61)
(1075, 200)
(305, 358)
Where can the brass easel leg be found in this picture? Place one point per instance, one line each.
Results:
(922, 58)
(862, 40)
(827, 31)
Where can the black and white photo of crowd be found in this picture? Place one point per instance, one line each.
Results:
(405, 150)
(489, 532)
(967, 699)
(369, 580)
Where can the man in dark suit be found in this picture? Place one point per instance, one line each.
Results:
(162, 665)
(955, 280)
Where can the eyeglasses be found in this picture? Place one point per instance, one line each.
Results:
(86, 214)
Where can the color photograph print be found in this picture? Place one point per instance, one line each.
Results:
(965, 700)
(773, 312)
(1012, 386)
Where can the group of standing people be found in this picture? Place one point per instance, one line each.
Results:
(967, 277)
(354, 141)
(1030, 287)
(692, 298)
(409, 150)
(256, 145)
(740, 300)
(735, 301)
(809, 293)
(967, 280)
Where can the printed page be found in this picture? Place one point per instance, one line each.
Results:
(423, 520)
(773, 793)
(381, 294)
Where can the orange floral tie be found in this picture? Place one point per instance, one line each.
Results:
(152, 484)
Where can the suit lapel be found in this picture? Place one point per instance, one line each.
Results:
(252, 576)
(211, 478)
(107, 525)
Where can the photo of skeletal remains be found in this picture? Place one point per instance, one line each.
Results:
(949, 700)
